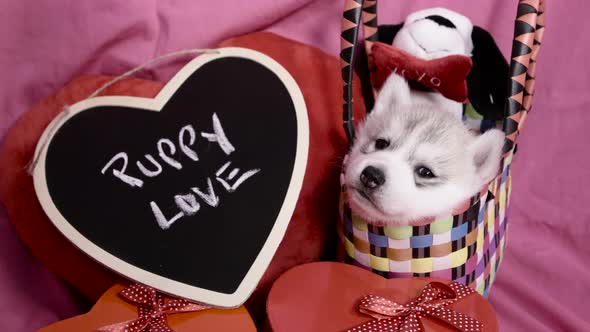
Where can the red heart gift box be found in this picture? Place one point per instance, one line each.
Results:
(327, 296)
(118, 311)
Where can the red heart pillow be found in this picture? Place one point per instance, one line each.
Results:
(325, 296)
(311, 233)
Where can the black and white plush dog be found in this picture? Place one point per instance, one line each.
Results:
(438, 32)
(431, 34)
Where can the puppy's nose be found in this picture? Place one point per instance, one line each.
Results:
(372, 177)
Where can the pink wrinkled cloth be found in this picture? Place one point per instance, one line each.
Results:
(543, 282)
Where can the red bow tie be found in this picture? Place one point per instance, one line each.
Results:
(445, 75)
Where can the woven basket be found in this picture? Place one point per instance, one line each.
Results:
(466, 247)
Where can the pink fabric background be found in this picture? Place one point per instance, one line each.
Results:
(543, 282)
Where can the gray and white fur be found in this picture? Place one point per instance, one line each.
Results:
(412, 161)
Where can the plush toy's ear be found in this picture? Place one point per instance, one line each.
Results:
(386, 33)
(487, 82)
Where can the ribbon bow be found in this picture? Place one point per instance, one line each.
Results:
(446, 75)
(152, 310)
(433, 301)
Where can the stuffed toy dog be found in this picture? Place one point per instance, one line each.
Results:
(444, 60)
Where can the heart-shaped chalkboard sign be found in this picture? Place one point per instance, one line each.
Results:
(190, 192)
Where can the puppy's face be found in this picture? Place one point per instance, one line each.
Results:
(413, 163)
(435, 33)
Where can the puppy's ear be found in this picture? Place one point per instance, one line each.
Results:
(486, 152)
(387, 33)
(487, 81)
(394, 91)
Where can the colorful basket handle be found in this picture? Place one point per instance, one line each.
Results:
(529, 29)
(528, 34)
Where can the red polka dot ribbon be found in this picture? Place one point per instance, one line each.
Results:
(152, 309)
(433, 301)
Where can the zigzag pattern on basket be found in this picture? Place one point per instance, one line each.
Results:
(525, 48)
(467, 247)
(348, 38)
(530, 77)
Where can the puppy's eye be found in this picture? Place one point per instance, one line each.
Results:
(424, 172)
(381, 144)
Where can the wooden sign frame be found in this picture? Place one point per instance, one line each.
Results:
(163, 284)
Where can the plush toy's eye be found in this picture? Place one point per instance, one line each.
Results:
(424, 172)
(381, 144)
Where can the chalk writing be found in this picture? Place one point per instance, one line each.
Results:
(147, 172)
(234, 172)
(210, 197)
(166, 150)
(168, 159)
(219, 136)
(120, 173)
(161, 219)
(192, 137)
(188, 204)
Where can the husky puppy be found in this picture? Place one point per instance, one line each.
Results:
(413, 161)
